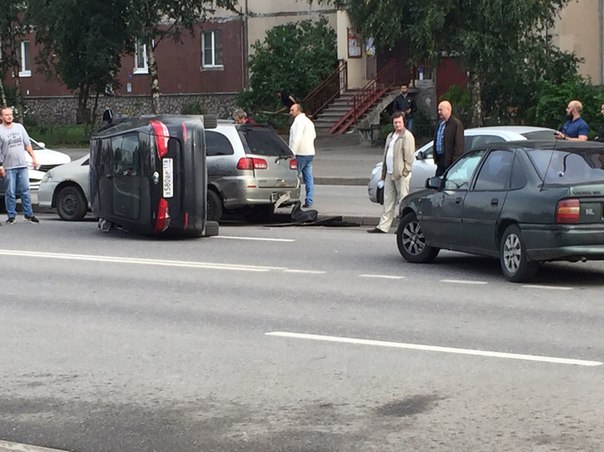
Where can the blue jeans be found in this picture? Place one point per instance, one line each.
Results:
(409, 124)
(305, 168)
(17, 181)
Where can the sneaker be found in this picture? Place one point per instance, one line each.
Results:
(31, 219)
(11, 220)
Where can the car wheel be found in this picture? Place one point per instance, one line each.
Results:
(214, 206)
(71, 204)
(412, 242)
(512, 256)
(262, 213)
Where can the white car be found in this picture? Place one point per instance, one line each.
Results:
(424, 167)
(47, 159)
(67, 188)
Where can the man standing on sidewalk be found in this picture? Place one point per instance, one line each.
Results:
(14, 142)
(448, 139)
(399, 154)
(302, 142)
(405, 103)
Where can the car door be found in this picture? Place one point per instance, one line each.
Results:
(442, 213)
(126, 175)
(483, 203)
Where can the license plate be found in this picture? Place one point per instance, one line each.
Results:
(168, 185)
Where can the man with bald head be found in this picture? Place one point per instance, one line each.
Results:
(575, 128)
(448, 139)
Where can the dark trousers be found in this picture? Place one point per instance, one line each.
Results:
(441, 167)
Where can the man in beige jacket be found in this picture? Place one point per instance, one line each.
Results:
(399, 154)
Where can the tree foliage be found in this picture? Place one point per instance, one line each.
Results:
(296, 57)
(81, 43)
(503, 44)
(12, 28)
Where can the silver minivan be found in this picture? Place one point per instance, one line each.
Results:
(250, 168)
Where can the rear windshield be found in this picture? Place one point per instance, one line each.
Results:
(541, 135)
(263, 141)
(562, 167)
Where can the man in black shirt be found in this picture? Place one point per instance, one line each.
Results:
(405, 103)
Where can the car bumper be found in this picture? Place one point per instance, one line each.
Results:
(564, 242)
(45, 193)
(245, 192)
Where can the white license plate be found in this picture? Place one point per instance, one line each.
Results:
(168, 185)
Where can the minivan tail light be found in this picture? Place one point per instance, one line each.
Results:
(293, 164)
(250, 163)
(568, 211)
(161, 137)
(162, 220)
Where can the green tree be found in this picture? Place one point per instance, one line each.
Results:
(12, 29)
(152, 21)
(81, 43)
(295, 57)
(503, 44)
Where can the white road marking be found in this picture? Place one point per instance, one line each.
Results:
(259, 239)
(312, 272)
(535, 286)
(137, 261)
(431, 348)
(462, 281)
(18, 447)
(381, 276)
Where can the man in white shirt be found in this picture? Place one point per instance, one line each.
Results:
(399, 155)
(302, 142)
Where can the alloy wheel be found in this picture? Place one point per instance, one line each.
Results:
(413, 238)
(512, 253)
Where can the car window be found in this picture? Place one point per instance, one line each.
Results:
(126, 155)
(563, 167)
(481, 140)
(543, 135)
(459, 175)
(495, 172)
(518, 175)
(429, 153)
(263, 141)
(218, 144)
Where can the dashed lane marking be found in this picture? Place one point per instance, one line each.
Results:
(258, 239)
(311, 272)
(462, 281)
(432, 348)
(7, 446)
(536, 286)
(382, 276)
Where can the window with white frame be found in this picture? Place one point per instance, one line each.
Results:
(140, 58)
(24, 66)
(211, 49)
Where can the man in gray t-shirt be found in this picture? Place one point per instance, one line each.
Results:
(14, 143)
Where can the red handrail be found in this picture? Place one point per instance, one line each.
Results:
(316, 101)
(373, 90)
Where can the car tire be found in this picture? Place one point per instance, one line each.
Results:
(515, 265)
(411, 241)
(214, 206)
(71, 204)
(262, 213)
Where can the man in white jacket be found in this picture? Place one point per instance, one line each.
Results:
(399, 154)
(302, 142)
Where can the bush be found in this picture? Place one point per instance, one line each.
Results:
(53, 136)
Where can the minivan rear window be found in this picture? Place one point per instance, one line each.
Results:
(562, 167)
(263, 141)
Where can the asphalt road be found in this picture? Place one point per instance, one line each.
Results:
(289, 339)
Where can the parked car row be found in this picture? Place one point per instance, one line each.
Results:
(250, 168)
(424, 166)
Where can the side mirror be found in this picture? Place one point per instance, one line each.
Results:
(420, 156)
(434, 183)
(108, 116)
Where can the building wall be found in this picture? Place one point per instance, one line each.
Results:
(579, 30)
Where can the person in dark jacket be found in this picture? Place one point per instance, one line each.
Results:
(405, 103)
(600, 136)
(448, 139)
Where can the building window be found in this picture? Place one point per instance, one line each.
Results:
(24, 66)
(140, 58)
(211, 49)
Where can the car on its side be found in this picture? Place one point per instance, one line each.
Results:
(525, 203)
(67, 187)
(250, 169)
(424, 167)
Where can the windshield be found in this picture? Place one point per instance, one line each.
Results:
(563, 167)
(263, 141)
